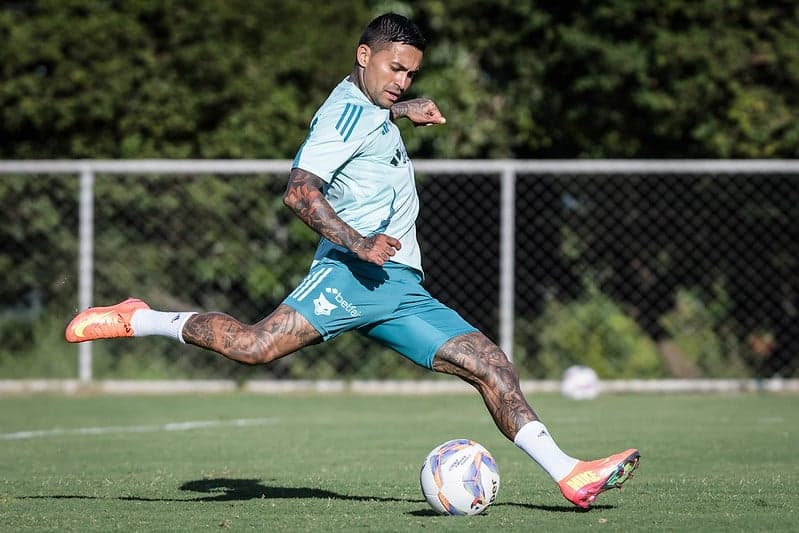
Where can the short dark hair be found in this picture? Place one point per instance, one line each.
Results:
(392, 28)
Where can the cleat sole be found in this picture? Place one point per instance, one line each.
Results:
(626, 470)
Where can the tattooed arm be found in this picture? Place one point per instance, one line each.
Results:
(420, 111)
(304, 197)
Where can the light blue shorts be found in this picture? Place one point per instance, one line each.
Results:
(388, 304)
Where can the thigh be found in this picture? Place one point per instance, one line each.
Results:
(420, 329)
(334, 298)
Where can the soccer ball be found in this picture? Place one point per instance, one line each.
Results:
(580, 383)
(459, 477)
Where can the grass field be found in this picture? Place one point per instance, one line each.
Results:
(348, 463)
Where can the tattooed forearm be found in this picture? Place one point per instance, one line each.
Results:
(480, 362)
(304, 197)
(399, 110)
(412, 109)
(420, 111)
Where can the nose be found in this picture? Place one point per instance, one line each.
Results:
(403, 80)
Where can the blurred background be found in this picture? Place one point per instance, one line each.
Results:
(638, 275)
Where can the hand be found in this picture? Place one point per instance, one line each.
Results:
(420, 111)
(377, 249)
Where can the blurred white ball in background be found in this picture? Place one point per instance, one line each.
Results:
(580, 383)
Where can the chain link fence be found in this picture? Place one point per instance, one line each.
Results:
(638, 269)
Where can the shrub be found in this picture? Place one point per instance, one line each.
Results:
(591, 330)
(701, 328)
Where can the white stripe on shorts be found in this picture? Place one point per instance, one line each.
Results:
(309, 284)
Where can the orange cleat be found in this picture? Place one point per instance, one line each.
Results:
(588, 479)
(104, 322)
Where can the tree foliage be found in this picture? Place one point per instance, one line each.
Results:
(169, 79)
(623, 78)
(517, 79)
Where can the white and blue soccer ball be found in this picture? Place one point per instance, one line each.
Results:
(460, 477)
(580, 383)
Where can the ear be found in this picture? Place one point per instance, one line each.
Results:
(363, 54)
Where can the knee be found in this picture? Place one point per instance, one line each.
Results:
(252, 359)
(495, 370)
(499, 371)
(251, 349)
(476, 359)
(259, 356)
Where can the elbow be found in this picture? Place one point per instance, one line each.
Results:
(290, 201)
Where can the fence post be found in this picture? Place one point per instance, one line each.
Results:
(85, 263)
(507, 259)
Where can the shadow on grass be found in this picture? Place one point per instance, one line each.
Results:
(565, 508)
(227, 489)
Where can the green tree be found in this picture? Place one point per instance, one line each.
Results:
(167, 78)
(622, 78)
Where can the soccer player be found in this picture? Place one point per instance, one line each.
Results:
(352, 182)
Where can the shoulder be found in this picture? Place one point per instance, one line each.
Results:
(348, 116)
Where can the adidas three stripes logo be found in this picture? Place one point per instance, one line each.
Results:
(349, 118)
(309, 284)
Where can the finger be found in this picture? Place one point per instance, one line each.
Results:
(434, 122)
(437, 117)
(394, 243)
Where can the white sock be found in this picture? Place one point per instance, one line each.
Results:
(167, 324)
(535, 440)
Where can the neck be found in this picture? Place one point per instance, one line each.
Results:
(356, 77)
